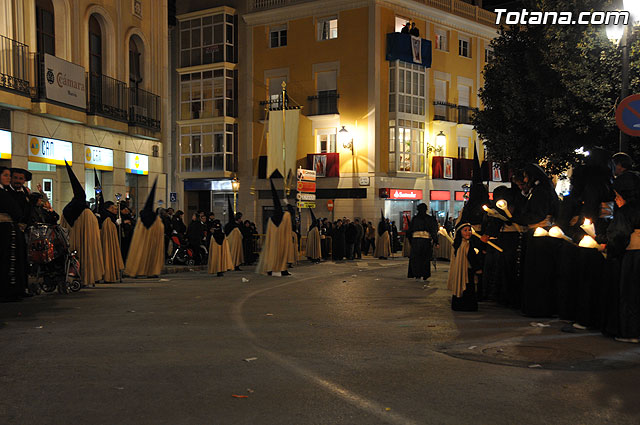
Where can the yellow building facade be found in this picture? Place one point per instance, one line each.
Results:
(377, 118)
(86, 82)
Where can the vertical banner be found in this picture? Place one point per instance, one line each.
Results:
(448, 168)
(275, 141)
(416, 49)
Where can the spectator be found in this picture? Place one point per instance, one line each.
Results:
(414, 31)
(359, 239)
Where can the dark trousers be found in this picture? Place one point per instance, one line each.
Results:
(358, 249)
(350, 249)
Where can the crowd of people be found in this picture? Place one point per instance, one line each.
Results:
(576, 257)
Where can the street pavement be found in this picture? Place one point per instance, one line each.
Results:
(353, 342)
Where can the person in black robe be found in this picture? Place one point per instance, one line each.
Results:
(13, 250)
(622, 308)
(539, 292)
(350, 234)
(338, 241)
(197, 236)
(127, 226)
(466, 267)
(422, 235)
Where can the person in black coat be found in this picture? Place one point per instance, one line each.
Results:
(338, 242)
(422, 234)
(177, 223)
(127, 226)
(350, 235)
(197, 235)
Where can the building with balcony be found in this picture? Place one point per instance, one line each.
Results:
(386, 117)
(204, 60)
(85, 82)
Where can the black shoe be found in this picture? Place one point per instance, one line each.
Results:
(220, 274)
(286, 273)
(269, 274)
(237, 269)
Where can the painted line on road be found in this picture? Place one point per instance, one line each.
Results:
(352, 398)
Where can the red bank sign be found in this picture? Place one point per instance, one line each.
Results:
(405, 194)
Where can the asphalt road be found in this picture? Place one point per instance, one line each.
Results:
(347, 343)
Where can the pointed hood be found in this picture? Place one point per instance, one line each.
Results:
(476, 176)
(231, 224)
(314, 220)
(277, 206)
(148, 214)
(382, 226)
(78, 203)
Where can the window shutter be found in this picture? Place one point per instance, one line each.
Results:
(441, 90)
(326, 81)
(463, 95)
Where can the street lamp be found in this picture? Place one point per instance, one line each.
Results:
(235, 185)
(346, 139)
(441, 141)
(620, 34)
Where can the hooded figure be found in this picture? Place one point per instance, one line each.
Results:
(464, 269)
(423, 234)
(314, 249)
(277, 244)
(234, 238)
(113, 263)
(383, 241)
(293, 253)
(146, 253)
(220, 257)
(84, 233)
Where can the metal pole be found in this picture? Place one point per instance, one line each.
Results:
(284, 155)
(235, 206)
(624, 139)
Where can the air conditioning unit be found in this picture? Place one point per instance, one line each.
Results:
(139, 110)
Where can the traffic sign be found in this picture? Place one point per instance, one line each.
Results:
(173, 197)
(306, 196)
(306, 187)
(330, 205)
(305, 204)
(628, 115)
(306, 175)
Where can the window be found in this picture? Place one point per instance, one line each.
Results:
(488, 54)
(407, 140)
(278, 36)
(400, 23)
(326, 86)
(328, 29)
(442, 39)
(410, 88)
(207, 94)
(464, 46)
(45, 27)
(463, 95)
(440, 109)
(275, 92)
(463, 147)
(207, 147)
(207, 39)
(326, 140)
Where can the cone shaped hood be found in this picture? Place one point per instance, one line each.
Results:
(476, 177)
(382, 226)
(231, 224)
(148, 214)
(277, 206)
(78, 203)
(314, 221)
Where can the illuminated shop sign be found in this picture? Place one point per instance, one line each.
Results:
(98, 158)
(5, 144)
(50, 151)
(136, 163)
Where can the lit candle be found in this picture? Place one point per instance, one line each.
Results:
(589, 228)
(588, 242)
(476, 234)
(540, 232)
(444, 233)
(502, 204)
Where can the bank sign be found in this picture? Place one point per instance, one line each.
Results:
(98, 158)
(65, 82)
(49, 151)
(136, 163)
(5, 144)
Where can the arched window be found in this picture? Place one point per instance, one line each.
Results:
(135, 62)
(95, 47)
(45, 27)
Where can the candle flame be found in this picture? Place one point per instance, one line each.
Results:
(588, 242)
(556, 232)
(587, 222)
(540, 232)
(486, 208)
(502, 204)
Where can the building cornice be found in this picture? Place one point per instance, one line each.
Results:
(206, 12)
(302, 10)
(207, 67)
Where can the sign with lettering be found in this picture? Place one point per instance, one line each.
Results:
(98, 158)
(306, 186)
(49, 151)
(406, 194)
(136, 163)
(305, 204)
(302, 196)
(306, 175)
(5, 144)
(65, 82)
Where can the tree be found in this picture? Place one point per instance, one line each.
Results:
(552, 89)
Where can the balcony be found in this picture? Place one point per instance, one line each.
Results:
(466, 114)
(275, 104)
(108, 97)
(324, 103)
(14, 66)
(144, 109)
(444, 111)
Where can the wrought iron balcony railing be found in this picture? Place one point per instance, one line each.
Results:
(144, 109)
(108, 97)
(14, 65)
(465, 114)
(324, 103)
(443, 111)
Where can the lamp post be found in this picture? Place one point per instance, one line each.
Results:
(620, 34)
(235, 185)
(441, 141)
